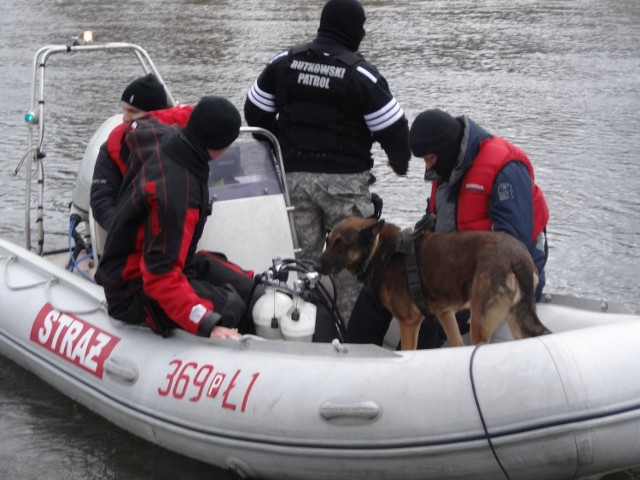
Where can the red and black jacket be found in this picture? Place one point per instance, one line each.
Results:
(113, 159)
(156, 227)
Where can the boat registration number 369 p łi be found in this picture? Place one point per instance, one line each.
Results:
(192, 381)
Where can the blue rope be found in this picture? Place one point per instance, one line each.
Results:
(73, 263)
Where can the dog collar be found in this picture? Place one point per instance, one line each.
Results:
(370, 257)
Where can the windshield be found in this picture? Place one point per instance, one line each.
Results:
(246, 169)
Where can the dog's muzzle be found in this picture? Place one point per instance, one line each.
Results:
(323, 268)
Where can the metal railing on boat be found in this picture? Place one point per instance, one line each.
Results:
(35, 118)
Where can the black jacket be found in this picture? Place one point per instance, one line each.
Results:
(368, 112)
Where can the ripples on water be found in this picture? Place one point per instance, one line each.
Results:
(559, 78)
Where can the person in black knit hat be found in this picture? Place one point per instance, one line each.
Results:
(327, 105)
(150, 270)
(144, 97)
(479, 182)
(145, 94)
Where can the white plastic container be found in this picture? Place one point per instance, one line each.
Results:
(300, 330)
(272, 305)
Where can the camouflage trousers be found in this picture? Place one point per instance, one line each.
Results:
(320, 201)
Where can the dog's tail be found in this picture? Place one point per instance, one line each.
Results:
(524, 311)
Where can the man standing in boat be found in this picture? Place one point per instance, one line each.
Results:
(148, 269)
(327, 106)
(145, 97)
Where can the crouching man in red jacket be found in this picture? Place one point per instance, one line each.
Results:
(149, 270)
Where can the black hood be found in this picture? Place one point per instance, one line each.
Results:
(343, 21)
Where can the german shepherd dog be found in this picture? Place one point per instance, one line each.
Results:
(491, 273)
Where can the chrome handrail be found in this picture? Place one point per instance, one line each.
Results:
(34, 153)
(282, 178)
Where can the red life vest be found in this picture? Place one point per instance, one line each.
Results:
(472, 210)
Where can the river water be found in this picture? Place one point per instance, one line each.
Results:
(560, 78)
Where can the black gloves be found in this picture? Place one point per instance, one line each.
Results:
(427, 222)
(228, 314)
(377, 205)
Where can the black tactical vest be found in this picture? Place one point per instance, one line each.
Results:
(321, 129)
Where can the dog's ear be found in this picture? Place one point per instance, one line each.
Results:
(374, 229)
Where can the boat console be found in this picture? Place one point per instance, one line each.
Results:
(250, 220)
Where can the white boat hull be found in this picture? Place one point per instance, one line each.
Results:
(561, 406)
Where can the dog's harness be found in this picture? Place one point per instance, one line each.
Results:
(405, 244)
(408, 247)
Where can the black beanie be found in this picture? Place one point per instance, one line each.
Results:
(343, 21)
(432, 131)
(214, 123)
(145, 93)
